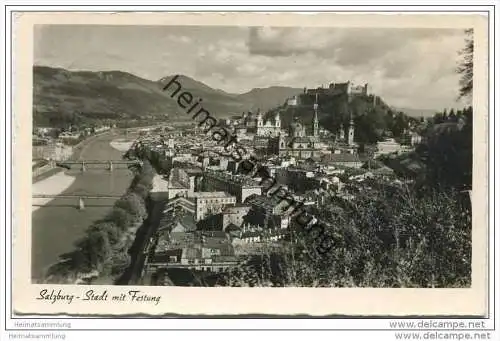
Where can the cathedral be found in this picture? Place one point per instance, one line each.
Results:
(254, 123)
(268, 128)
(301, 145)
(341, 135)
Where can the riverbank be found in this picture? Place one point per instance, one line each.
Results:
(77, 150)
(121, 145)
(59, 224)
(106, 251)
(55, 181)
(53, 185)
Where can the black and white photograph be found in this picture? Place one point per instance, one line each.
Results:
(252, 156)
(325, 168)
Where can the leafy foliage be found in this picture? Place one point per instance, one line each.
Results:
(447, 151)
(383, 238)
(105, 246)
(466, 66)
(121, 218)
(133, 204)
(373, 118)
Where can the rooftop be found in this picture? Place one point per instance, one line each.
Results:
(160, 184)
(245, 181)
(211, 195)
(191, 253)
(344, 157)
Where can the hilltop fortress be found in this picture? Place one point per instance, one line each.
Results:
(335, 89)
(348, 89)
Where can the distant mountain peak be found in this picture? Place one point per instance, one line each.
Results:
(60, 93)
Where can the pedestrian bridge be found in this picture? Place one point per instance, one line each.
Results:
(108, 164)
(80, 199)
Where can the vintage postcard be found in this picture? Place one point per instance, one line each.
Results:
(250, 163)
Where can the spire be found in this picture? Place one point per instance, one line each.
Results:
(277, 120)
(350, 136)
(315, 118)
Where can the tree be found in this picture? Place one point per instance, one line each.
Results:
(119, 263)
(466, 66)
(452, 117)
(110, 228)
(133, 204)
(448, 154)
(400, 124)
(95, 247)
(438, 118)
(389, 238)
(141, 190)
(121, 218)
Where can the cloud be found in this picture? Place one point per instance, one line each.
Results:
(345, 46)
(407, 67)
(180, 39)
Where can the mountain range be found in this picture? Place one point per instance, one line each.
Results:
(59, 93)
(61, 96)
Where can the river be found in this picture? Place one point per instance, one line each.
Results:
(59, 223)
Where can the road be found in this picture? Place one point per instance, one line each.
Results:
(133, 275)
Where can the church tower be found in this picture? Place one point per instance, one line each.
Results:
(350, 135)
(315, 119)
(341, 134)
(259, 119)
(277, 120)
(281, 142)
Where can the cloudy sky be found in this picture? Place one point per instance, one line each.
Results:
(411, 68)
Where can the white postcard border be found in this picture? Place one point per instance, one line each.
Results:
(251, 300)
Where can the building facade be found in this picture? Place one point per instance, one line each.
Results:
(298, 144)
(254, 123)
(207, 203)
(239, 186)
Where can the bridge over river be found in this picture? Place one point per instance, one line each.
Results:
(108, 164)
(78, 199)
(57, 221)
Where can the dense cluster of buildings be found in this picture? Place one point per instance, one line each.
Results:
(214, 213)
